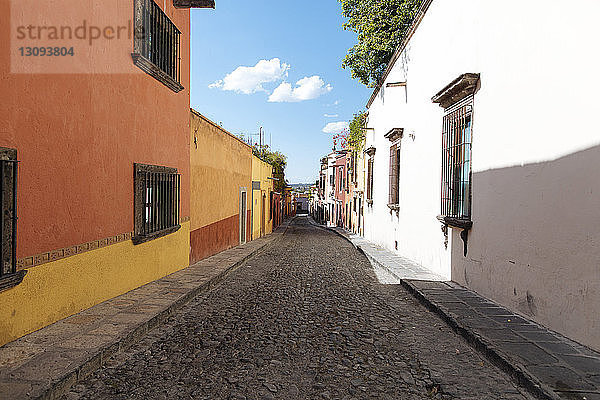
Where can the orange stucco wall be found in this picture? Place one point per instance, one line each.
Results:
(78, 135)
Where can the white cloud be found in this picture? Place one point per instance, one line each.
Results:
(335, 127)
(307, 88)
(330, 115)
(250, 80)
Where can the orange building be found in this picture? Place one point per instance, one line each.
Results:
(101, 136)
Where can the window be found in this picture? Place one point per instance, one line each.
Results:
(157, 44)
(371, 153)
(456, 162)
(9, 276)
(394, 196)
(156, 201)
(355, 168)
(271, 205)
(370, 180)
(457, 100)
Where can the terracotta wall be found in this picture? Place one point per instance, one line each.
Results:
(78, 135)
(221, 164)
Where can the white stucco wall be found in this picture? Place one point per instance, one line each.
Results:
(535, 241)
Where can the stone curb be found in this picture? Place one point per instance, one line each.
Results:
(517, 371)
(63, 384)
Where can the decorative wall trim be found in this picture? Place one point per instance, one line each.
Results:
(460, 88)
(55, 255)
(394, 134)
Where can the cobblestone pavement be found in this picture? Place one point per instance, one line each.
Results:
(303, 319)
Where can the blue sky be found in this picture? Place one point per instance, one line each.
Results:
(282, 42)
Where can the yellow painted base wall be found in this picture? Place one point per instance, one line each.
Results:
(261, 172)
(56, 290)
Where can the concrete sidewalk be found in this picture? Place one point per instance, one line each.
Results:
(46, 363)
(550, 365)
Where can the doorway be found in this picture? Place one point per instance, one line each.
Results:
(243, 214)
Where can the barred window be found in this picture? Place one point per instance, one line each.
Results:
(456, 161)
(394, 189)
(370, 179)
(9, 276)
(157, 44)
(156, 203)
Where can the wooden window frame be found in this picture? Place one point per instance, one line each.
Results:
(457, 136)
(370, 166)
(457, 100)
(394, 177)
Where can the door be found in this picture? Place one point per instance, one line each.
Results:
(262, 216)
(243, 214)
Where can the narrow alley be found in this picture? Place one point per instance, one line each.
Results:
(305, 318)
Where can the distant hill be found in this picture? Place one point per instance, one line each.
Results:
(301, 186)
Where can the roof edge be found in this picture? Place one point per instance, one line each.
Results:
(197, 113)
(413, 27)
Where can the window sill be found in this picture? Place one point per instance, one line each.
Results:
(151, 69)
(394, 207)
(455, 222)
(139, 239)
(12, 280)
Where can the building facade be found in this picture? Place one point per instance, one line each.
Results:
(476, 168)
(221, 185)
(95, 164)
(261, 198)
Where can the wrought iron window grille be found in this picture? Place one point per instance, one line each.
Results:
(157, 44)
(156, 203)
(9, 276)
(456, 163)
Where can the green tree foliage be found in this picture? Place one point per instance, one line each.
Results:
(356, 132)
(277, 160)
(381, 26)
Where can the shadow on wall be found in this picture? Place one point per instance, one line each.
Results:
(535, 242)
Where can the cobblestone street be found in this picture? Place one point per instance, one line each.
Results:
(305, 318)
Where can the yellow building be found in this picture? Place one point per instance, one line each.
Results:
(221, 188)
(261, 198)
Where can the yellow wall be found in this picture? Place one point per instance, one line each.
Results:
(58, 289)
(261, 171)
(220, 164)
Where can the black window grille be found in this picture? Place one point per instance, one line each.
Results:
(394, 187)
(157, 201)
(271, 206)
(456, 163)
(8, 218)
(159, 39)
(370, 179)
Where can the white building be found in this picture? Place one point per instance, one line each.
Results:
(514, 84)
